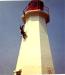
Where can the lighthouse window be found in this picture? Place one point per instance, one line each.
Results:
(34, 4)
(40, 5)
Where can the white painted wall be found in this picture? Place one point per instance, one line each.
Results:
(35, 50)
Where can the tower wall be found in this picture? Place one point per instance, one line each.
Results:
(46, 55)
(35, 53)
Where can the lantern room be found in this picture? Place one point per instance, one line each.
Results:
(35, 4)
(36, 7)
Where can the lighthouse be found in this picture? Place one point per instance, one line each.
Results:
(35, 57)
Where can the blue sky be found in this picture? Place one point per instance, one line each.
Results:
(10, 38)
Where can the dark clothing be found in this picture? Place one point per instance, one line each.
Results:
(22, 32)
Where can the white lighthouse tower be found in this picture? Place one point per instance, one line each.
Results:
(35, 56)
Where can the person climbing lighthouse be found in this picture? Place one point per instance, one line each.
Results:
(23, 33)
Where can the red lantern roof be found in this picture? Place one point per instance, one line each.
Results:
(35, 4)
(36, 7)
